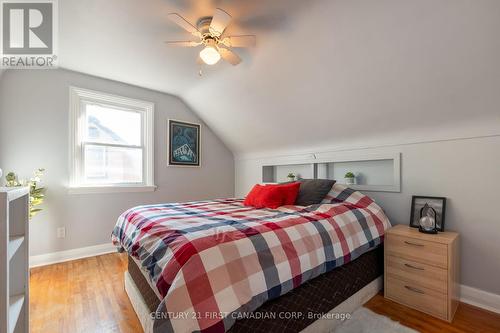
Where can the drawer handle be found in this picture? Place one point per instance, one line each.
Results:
(415, 290)
(415, 267)
(414, 244)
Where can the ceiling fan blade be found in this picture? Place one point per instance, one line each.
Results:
(219, 22)
(181, 21)
(239, 41)
(183, 43)
(229, 56)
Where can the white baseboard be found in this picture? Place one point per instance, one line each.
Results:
(73, 254)
(480, 298)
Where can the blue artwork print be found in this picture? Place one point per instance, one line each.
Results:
(184, 143)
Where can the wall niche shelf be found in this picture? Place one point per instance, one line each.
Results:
(374, 172)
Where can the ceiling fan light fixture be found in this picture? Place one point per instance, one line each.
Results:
(210, 55)
(210, 33)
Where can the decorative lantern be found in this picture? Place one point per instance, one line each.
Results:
(427, 222)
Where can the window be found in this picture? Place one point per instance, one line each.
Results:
(111, 143)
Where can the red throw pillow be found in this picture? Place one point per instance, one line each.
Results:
(272, 196)
(252, 196)
(290, 192)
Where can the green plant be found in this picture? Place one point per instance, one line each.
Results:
(36, 193)
(11, 179)
(291, 175)
(349, 175)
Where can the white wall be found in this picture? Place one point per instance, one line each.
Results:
(466, 171)
(34, 133)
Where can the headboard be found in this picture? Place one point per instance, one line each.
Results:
(374, 172)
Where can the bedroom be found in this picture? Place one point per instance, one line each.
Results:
(127, 140)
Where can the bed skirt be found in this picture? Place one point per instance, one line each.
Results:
(304, 309)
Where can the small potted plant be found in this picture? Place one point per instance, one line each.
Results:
(291, 177)
(350, 179)
(11, 180)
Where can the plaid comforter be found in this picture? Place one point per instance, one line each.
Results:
(214, 262)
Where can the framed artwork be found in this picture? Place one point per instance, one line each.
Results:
(183, 143)
(421, 206)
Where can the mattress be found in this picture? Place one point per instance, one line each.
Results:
(215, 262)
(307, 302)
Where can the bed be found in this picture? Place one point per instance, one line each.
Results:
(218, 266)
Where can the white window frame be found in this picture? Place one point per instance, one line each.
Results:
(77, 132)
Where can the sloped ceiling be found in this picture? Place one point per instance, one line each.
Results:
(324, 73)
(124, 39)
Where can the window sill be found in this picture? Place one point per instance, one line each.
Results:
(110, 189)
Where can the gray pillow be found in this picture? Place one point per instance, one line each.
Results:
(313, 191)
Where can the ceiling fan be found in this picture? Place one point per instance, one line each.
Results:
(209, 32)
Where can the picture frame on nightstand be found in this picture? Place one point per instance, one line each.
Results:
(436, 205)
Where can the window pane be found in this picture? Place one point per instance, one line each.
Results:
(109, 125)
(112, 165)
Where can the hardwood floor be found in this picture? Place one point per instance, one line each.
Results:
(88, 296)
(468, 318)
(85, 295)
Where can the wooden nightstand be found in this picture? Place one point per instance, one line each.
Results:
(422, 270)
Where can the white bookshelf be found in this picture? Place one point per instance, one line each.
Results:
(14, 260)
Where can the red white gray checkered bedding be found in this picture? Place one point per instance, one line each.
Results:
(216, 261)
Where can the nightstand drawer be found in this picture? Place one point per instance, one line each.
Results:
(423, 299)
(419, 250)
(417, 274)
